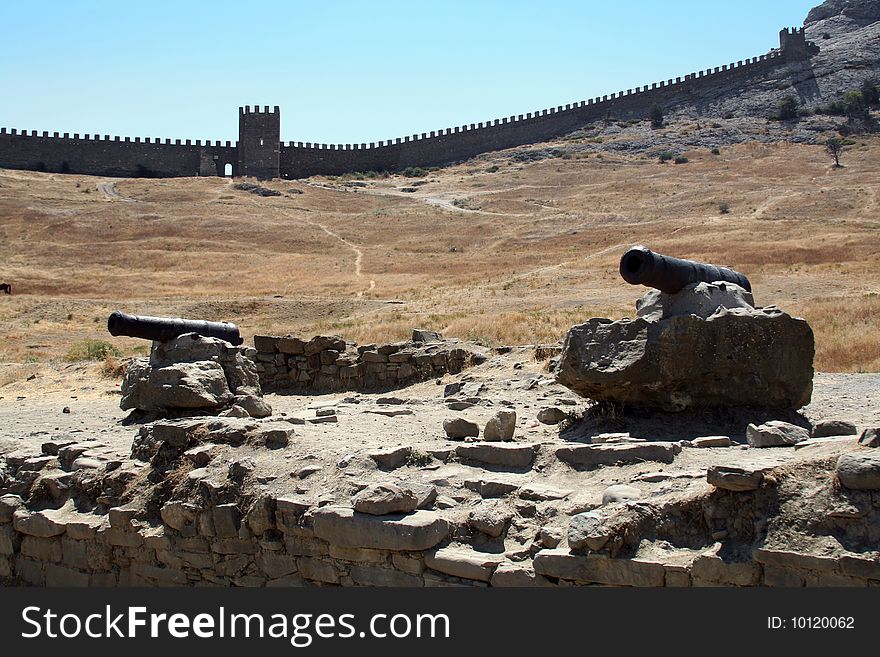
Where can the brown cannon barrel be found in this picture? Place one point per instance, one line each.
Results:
(641, 266)
(163, 329)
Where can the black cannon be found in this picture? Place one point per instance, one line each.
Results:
(641, 266)
(164, 329)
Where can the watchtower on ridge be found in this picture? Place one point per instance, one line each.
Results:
(259, 142)
(794, 45)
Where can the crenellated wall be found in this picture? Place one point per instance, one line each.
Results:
(104, 155)
(300, 159)
(260, 153)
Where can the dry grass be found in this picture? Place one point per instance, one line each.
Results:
(539, 255)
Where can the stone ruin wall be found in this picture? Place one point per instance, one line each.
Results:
(287, 542)
(115, 156)
(328, 363)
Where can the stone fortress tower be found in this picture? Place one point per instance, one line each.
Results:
(794, 45)
(259, 142)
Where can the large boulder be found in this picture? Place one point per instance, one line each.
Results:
(180, 386)
(701, 347)
(193, 373)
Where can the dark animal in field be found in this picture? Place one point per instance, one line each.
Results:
(6, 287)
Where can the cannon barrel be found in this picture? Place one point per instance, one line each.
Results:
(164, 329)
(641, 266)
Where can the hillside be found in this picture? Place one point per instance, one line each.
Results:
(512, 247)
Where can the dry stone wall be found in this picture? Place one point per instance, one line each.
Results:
(329, 363)
(286, 541)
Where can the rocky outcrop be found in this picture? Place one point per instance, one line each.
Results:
(192, 374)
(702, 347)
(858, 10)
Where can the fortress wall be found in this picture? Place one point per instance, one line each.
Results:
(111, 156)
(300, 159)
(260, 129)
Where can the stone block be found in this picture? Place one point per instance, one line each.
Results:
(42, 549)
(30, 571)
(119, 538)
(598, 569)
(365, 575)
(708, 569)
(9, 540)
(276, 566)
(227, 520)
(306, 546)
(792, 559)
(61, 576)
(593, 456)
(518, 575)
(343, 526)
(40, 524)
(501, 455)
(408, 564)
(74, 553)
(464, 562)
(266, 343)
(9, 504)
(362, 555)
(318, 570)
(779, 576)
(735, 479)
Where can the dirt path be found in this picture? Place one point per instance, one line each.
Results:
(358, 253)
(108, 189)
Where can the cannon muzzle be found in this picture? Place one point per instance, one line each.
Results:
(641, 266)
(163, 329)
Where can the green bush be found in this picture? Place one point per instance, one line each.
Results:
(656, 116)
(414, 172)
(854, 105)
(665, 156)
(724, 208)
(92, 350)
(788, 108)
(681, 159)
(870, 90)
(715, 151)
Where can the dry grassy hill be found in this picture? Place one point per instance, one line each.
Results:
(513, 247)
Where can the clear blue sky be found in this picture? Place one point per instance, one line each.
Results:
(350, 71)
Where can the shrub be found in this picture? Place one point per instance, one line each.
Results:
(681, 159)
(112, 367)
(870, 93)
(414, 172)
(724, 208)
(715, 151)
(665, 156)
(834, 146)
(788, 108)
(419, 459)
(854, 105)
(92, 350)
(492, 169)
(656, 116)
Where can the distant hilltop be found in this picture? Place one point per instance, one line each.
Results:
(743, 86)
